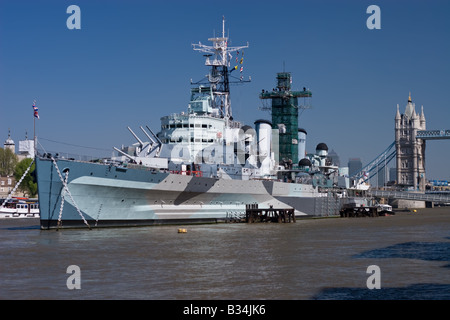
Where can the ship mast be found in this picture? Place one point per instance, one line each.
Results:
(218, 57)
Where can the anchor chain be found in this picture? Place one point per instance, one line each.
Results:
(17, 184)
(68, 192)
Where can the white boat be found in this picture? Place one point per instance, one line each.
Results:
(20, 208)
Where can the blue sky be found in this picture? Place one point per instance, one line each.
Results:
(131, 63)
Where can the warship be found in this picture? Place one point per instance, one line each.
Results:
(203, 166)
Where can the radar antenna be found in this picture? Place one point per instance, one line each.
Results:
(218, 57)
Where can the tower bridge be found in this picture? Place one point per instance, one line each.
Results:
(408, 149)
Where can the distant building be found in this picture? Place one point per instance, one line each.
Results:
(6, 185)
(383, 177)
(9, 143)
(26, 148)
(393, 174)
(334, 158)
(354, 166)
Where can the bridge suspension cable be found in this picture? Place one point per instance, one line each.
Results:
(376, 165)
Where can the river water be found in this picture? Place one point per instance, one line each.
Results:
(310, 259)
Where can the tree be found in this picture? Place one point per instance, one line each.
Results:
(29, 182)
(8, 161)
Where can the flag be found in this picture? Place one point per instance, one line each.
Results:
(242, 60)
(242, 69)
(36, 114)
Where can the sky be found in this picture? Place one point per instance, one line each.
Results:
(132, 61)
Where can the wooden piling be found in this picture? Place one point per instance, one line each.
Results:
(254, 214)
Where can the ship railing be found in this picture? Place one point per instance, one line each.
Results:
(72, 156)
(188, 173)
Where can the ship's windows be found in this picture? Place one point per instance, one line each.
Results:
(204, 126)
(197, 125)
(172, 126)
(191, 125)
(179, 125)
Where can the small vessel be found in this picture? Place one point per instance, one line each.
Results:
(385, 210)
(20, 208)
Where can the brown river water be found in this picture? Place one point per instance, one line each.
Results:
(311, 259)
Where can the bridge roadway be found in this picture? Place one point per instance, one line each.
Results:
(432, 197)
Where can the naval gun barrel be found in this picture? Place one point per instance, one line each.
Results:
(159, 141)
(137, 138)
(125, 154)
(148, 136)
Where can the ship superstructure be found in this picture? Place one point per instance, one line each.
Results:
(202, 166)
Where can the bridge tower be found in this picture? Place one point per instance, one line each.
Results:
(410, 151)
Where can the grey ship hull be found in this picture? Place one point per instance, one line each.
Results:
(102, 195)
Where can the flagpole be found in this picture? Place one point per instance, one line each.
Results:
(34, 129)
(34, 135)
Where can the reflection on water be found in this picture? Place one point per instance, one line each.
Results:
(425, 291)
(310, 259)
(432, 251)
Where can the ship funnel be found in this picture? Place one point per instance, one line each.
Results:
(264, 144)
(301, 143)
(264, 136)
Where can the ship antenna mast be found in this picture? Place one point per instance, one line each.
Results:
(218, 57)
(223, 26)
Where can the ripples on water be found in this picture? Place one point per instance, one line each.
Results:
(311, 259)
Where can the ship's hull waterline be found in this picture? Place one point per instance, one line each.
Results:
(102, 195)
